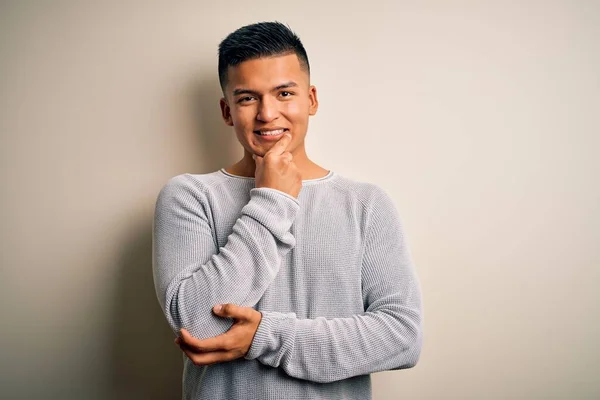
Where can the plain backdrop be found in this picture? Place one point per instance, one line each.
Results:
(480, 118)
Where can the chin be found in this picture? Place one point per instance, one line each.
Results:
(261, 147)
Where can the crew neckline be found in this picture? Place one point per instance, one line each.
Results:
(327, 177)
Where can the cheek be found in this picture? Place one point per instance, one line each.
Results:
(296, 111)
(243, 117)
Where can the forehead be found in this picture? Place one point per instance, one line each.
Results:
(265, 73)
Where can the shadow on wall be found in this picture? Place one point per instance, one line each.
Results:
(145, 363)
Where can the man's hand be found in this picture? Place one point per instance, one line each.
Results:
(228, 346)
(277, 170)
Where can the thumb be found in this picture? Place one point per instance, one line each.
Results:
(229, 310)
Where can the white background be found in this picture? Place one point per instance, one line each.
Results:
(480, 118)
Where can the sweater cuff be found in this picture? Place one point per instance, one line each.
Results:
(273, 338)
(272, 208)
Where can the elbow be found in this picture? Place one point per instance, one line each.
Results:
(170, 302)
(168, 295)
(415, 343)
(413, 351)
(197, 318)
(413, 355)
(410, 346)
(170, 311)
(167, 302)
(168, 299)
(409, 356)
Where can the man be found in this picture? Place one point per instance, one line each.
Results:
(283, 280)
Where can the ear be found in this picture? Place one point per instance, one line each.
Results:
(313, 101)
(226, 111)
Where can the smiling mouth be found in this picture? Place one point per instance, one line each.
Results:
(275, 132)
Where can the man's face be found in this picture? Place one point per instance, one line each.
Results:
(268, 94)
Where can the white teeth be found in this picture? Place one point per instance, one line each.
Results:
(272, 133)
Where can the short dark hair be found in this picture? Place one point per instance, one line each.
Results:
(262, 39)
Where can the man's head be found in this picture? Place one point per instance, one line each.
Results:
(264, 39)
(265, 78)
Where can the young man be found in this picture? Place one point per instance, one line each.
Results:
(283, 280)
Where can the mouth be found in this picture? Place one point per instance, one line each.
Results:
(271, 134)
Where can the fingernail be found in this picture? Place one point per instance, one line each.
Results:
(218, 308)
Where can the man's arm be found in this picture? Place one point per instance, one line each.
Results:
(191, 274)
(388, 335)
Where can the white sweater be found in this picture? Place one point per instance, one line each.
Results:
(330, 272)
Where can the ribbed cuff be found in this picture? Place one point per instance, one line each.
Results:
(273, 208)
(273, 338)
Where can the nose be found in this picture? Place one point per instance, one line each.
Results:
(267, 109)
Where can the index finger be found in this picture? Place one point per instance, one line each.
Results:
(203, 345)
(281, 145)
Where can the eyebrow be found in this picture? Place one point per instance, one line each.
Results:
(286, 85)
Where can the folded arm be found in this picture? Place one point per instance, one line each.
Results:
(191, 274)
(388, 335)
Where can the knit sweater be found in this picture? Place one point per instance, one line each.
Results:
(330, 271)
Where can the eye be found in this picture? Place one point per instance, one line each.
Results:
(286, 93)
(245, 99)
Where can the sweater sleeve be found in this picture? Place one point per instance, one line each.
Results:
(388, 335)
(191, 274)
